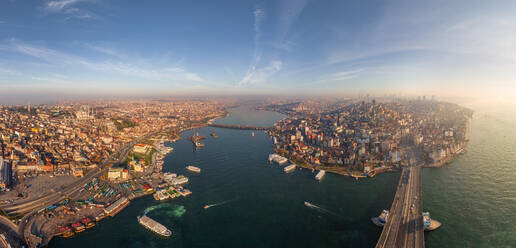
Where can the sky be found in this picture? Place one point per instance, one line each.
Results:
(68, 48)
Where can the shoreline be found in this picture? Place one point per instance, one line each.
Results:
(176, 136)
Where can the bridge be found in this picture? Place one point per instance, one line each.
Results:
(404, 226)
(239, 127)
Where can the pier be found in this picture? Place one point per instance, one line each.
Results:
(239, 127)
(404, 227)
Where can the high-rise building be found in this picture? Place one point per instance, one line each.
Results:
(5, 173)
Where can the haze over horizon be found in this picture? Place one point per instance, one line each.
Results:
(85, 48)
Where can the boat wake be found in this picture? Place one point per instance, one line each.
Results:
(169, 209)
(217, 204)
(320, 209)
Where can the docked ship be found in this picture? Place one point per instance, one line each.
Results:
(179, 180)
(193, 168)
(88, 222)
(381, 219)
(320, 174)
(161, 195)
(117, 206)
(101, 216)
(289, 168)
(277, 158)
(154, 226)
(66, 232)
(78, 227)
(428, 223)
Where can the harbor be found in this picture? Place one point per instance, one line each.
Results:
(241, 171)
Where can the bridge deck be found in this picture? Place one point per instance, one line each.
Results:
(404, 227)
(239, 127)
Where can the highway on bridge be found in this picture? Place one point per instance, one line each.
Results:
(404, 226)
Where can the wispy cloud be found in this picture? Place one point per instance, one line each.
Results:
(259, 15)
(59, 5)
(339, 76)
(125, 66)
(101, 49)
(424, 27)
(8, 72)
(290, 11)
(69, 8)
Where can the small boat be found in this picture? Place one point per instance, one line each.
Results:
(309, 204)
(252, 134)
(207, 206)
(68, 234)
(381, 219)
(214, 135)
(430, 224)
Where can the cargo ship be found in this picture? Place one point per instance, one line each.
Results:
(381, 219)
(117, 206)
(193, 168)
(289, 168)
(154, 226)
(320, 174)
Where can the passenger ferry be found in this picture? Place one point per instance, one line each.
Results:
(320, 175)
(154, 226)
(193, 168)
(289, 168)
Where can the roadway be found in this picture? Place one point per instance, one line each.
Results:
(404, 226)
(38, 203)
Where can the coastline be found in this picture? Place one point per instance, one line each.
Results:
(176, 136)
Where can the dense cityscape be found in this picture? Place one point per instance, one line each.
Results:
(257, 123)
(68, 165)
(50, 151)
(365, 138)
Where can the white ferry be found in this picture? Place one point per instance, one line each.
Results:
(154, 226)
(289, 168)
(179, 180)
(193, 168)
(320, 175)
(161, 195)
(277, 158)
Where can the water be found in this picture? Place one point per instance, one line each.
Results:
(474, 197)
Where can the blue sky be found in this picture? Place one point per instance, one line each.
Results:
(115, 47)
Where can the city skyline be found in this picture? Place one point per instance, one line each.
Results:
(104, 48)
